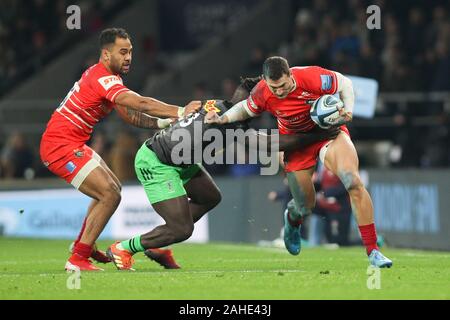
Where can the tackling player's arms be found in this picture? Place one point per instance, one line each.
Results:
(154, 107)
(140, 119)
(292, 142)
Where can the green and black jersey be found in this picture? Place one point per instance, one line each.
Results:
(188, 132)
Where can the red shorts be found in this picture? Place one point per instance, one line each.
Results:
(70, 161)
(307, 157)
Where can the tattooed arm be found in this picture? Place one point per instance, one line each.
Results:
(140, 119)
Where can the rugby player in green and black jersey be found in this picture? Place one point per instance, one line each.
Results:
(179, 189)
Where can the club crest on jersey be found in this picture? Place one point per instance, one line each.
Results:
(78, 153)
(70, 166)
(210, 105)
(279, 113)
(170, 186)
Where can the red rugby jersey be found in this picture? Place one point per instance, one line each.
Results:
(292, 112)
(90, 99)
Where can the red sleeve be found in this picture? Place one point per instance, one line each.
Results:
(109, 86)
(316, 80)
(256, 101)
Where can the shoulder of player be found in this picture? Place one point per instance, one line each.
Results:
(304, 75)
(99, 75)
(261, 91)
(299, 71)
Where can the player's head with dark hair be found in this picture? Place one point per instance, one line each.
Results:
(275, 67)
(116, 50)
(278, 76)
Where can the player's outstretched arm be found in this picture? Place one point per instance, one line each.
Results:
(154, 107)
(140, 119)
(239, 111)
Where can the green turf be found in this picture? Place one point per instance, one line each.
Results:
(32, 269)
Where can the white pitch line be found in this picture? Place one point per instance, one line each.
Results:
(62, 261)
(12, 262)
(155, 273)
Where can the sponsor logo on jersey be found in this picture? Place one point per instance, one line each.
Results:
(304, 95)
(108, 82)
(327, 81)
(70, 166)
(210, 105)
(291, 120)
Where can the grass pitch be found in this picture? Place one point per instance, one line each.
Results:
(33, 269)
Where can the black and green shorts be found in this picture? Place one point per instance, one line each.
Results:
(161, 181)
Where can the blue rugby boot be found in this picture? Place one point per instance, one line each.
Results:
(292, 240)
(377, 259)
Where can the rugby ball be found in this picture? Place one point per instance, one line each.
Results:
(325, 110)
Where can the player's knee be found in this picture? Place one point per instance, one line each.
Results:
(210, 199)
(215, 199)
(351, 181)
(111, 194)
(183, 232)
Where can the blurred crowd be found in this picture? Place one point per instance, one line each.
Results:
(409, 53)
(31, 32)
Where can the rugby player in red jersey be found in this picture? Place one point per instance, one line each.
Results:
(63, 147)
(286, 93)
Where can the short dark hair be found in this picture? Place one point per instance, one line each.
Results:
(275, 67)
(108, 36)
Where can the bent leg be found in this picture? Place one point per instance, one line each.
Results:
(302, 190)
(100, 186)
(97, 254)
(341, 158)
(94, 202)
(203, 193)
(179, 223)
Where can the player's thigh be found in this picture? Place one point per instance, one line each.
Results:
(114, 183)
(341, 156)
(160, 181)
(302, 187)
(201, 188)
(99, 184)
